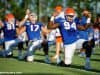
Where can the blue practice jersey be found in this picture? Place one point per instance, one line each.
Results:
(9, 31)
(83, 34)
(68, 31)
(33, 30)
(90, 33)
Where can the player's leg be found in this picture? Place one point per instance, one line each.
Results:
(58, 49)
(79, 47)
(46, 51)
(20, 47)
(69, 52)
(8, 45)
(57, 56)
(31, 49)
(88, 51)
(8, 51)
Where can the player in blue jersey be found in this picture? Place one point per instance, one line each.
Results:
(85, 33)
(34, 30)
(9, 29)
(83, 30)
(10, 35)
(68, 31)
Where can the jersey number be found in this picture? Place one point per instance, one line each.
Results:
(34, 27)
(10, 27)
(68, 26)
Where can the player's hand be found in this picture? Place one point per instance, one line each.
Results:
(27, 12)
(89, 15)
(54, 14)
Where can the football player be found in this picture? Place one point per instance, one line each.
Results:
(10, 35)
(83, 29)
(85, 33)
(68, 31)
(58, 13)
(33, 30)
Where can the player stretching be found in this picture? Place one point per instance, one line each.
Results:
(33, 30)
(10, 35)
(58, 13)
(68, 31)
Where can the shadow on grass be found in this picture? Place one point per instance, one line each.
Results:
(97, 54)
(15, 57)
(39, 54)
(82, 68)
(42, 74)
(72, 66)
(79, 67)
(40, 61)
(98, 60)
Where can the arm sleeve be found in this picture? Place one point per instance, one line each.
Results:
(83, 21)
(58, 20)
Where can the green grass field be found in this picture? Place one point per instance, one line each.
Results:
(38, 67)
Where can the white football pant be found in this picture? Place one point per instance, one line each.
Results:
(32, 46)
(9, 44)
(69, 52)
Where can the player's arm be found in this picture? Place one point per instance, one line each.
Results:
(45, 30)
(86, 26)
(20, 30)
(52, 25)
(25, 18)
(1, 24)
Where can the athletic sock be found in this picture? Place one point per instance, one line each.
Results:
(58, 59)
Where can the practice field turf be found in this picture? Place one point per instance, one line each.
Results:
(38, 67)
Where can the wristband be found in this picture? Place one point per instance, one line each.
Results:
(88, 20)
(52, 18)
(26, 16)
